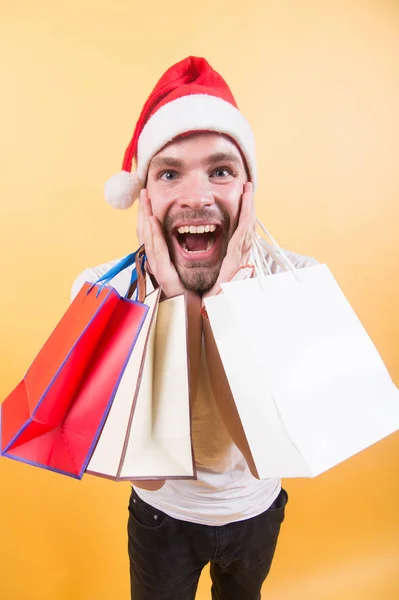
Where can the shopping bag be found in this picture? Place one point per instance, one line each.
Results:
(53, 418)
(309, 385)
(147, 434)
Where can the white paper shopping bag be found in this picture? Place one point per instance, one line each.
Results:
(310, 387)
(147, 434)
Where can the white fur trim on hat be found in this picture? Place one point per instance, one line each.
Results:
(122, 189)
(196, 112)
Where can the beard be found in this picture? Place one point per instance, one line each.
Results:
(200, 276)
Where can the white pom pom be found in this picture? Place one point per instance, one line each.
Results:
(122, 189)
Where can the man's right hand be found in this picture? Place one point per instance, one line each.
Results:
(150, 234)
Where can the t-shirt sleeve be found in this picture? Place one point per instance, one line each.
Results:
(301, 261)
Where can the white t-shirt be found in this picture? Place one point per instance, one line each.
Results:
(225, 490)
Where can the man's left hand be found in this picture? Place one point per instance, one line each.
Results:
(240, 243)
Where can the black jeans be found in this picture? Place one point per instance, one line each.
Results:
(167, 555)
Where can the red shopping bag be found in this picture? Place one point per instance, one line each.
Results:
(54, 417)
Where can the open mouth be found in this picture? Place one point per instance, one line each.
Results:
(198, 241)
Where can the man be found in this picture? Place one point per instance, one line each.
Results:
(195, 177)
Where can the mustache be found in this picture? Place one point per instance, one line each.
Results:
(203, 214)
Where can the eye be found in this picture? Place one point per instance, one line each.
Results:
(168, 175)
(221, 172)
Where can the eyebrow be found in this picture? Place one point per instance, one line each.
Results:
(217, 157)
(223, 156)
(166, 161)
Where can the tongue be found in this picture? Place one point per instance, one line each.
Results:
(196, 242)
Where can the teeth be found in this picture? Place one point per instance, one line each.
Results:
(199, 229)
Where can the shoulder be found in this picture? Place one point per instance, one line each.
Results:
(276, 264)
(120, 282)
(300, 261)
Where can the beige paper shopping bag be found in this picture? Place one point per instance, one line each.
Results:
(147, 434)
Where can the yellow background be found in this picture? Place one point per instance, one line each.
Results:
(319, 82)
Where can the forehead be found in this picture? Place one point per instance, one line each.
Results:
(199, 146)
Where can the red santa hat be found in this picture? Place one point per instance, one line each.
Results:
(189, 97)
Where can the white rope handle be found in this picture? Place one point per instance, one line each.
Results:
(261, 256)
(260, 248)
(259, 259)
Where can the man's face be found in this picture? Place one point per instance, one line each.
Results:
(195, 185)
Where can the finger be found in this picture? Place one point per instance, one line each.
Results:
(147, 230)
(234, 255)
(166, 276)
(242, 237)
(239, 248)
(147, 215)
(160, 247)
(145, 203)
(245, 220)
(247, 245)
(247, 212)
(159, 244)
(139, 228)
(252, 202)
(248, 220)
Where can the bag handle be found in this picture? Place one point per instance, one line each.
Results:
(259, 246)
(138, 277)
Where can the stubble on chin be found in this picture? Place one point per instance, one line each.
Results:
(198, 279)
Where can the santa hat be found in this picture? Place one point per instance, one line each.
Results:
(189, 97)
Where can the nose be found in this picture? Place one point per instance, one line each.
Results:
(196, 192)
